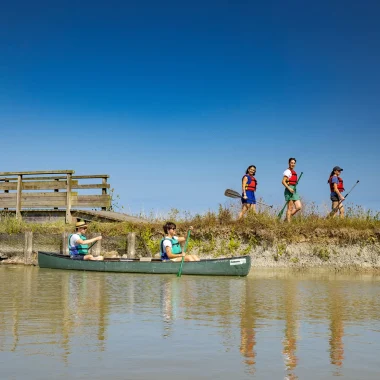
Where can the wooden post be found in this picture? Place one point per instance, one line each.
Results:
(104, 191)
(97, 248)
(68, 199)
(56, 191)
(131, 245)
(18, 197)
(28, 247)
(65, 243)
(6, 191)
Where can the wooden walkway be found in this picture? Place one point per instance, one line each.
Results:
(57, 194)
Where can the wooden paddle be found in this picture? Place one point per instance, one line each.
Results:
(184, 251)
(234, 194)
(335, 209)
(295, 189)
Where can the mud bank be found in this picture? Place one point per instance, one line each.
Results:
(365, 255)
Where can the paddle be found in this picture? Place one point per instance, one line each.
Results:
(234, 194)
(335, 209)
(184, 251)
(282, 210)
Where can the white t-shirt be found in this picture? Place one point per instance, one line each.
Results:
(168, 243)
(287, 173)
(73, 240)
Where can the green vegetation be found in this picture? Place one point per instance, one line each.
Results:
(237, 236)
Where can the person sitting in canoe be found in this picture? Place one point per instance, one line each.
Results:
(78, 243)
(171, 245)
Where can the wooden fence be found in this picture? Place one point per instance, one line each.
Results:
(22, 190)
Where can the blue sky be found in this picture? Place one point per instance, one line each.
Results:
(175, 99)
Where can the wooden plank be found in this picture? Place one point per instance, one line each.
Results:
(38, 172)
(8, 200)
(43, 185)
(91, 186)
(92, 201)
(68, 199)
(43, 178)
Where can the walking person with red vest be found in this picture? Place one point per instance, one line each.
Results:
(249, 185)
(289, 180)
(336, 191)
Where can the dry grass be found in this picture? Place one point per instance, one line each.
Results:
(263, 227)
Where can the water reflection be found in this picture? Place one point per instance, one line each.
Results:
(257, 320)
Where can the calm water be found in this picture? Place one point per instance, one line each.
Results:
(270, 325)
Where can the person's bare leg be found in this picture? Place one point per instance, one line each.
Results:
(297, 207)
(244, 209)
(334, 205)
(289, 211)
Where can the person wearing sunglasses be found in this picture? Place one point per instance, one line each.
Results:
(170, 246)
(248, 184)
(336, 191)
(79, 244)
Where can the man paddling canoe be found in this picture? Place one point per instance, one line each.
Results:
(292, 198)
(170, 245)
(78, 243)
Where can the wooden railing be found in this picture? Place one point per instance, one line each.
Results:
(22, 191)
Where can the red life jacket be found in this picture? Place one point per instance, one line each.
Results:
(293, 179)
(340, 185)
(251, 183)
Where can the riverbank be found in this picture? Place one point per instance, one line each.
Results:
(307, 242)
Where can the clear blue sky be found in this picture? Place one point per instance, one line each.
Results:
(175, 99)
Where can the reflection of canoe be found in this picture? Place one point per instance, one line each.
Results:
(232, 266)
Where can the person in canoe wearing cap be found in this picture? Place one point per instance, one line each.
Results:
(78, 243)
(336, 191)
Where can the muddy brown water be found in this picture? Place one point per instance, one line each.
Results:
(269, 325)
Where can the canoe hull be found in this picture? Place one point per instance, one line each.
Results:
(233, 266)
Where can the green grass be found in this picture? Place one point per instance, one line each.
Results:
(255, 229)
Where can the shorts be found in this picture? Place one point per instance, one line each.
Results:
(77, 257)
(334, 197)
(289, 196)
(251, 200)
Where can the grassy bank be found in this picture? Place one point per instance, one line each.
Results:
(240, 236)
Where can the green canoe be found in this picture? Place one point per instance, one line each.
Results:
(232, 266)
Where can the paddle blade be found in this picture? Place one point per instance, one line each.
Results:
(232, 193)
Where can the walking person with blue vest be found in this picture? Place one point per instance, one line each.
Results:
(336, 191)
(248, 185)
(290, 180)
(79, 244)
(170, 245)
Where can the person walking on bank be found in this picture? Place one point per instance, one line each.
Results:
(78, 243)
(248, 185)
(292, 198)
(336, 191)
(170, 245)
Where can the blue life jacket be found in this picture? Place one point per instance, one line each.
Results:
(176, 248)
(80, 249)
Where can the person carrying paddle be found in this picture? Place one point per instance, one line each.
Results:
(336, 191)
(292, 198)
(78, 243)
(170, 245)
(248, 185)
